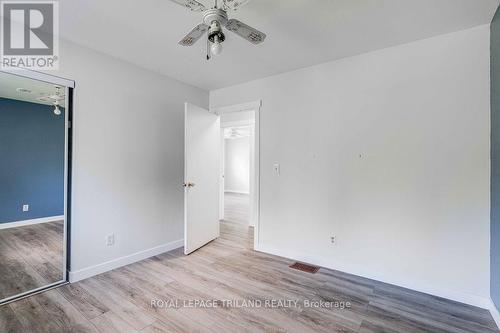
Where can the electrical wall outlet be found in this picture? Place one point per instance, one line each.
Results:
(26, 208)
(333, 240)
(110, 240)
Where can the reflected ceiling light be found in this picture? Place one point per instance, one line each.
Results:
(57, 111)
(57, 98)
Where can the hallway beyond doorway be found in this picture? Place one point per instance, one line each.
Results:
(237, 208)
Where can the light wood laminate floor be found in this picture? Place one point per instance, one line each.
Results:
(30, 257)
(228, 269)
(237, 208)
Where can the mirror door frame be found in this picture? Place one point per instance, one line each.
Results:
(70, 86)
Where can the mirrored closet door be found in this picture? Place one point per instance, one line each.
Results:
(33, 185)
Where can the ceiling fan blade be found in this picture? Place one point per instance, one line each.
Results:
(234, 4)
(191, 4)
(194, 35)
(254, 36)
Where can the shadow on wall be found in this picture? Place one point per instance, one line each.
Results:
(32, 161)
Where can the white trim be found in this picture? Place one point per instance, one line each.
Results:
(75, 276)
(238, 123)
(67, 110)
(255, 204)
(23, 223)
(236, 192)
(495, 313)
(238, 107)
(475, 300)
(222, 174)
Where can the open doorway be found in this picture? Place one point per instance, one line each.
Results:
(239, 172)
(237, 161)
(221, 174)
(236, 164)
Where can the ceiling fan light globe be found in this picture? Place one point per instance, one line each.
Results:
(216, 49)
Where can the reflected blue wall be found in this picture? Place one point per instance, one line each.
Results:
(31, 161)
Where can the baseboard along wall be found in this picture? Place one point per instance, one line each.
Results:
(75, 276)
(481, 302)
(23, 223)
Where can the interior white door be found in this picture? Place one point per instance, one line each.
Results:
(201, 177)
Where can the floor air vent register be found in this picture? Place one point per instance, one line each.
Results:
(305, 267)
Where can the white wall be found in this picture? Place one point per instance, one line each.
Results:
(237, 165)
(389, 152)
(128, 159)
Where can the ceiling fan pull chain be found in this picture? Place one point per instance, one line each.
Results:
(208, 49)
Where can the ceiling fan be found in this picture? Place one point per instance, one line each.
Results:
(214, 19)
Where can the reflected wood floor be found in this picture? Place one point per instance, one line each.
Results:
(227, 268)
(30, 257)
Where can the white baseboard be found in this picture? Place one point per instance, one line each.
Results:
(75, 276)
(237, 192)
(495, 313)
(23, 223)
(474, 300)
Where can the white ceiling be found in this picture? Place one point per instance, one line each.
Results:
(300, 33)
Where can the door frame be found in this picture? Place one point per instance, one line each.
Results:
(255, 106)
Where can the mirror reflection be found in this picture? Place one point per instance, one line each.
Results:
(32, 185)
